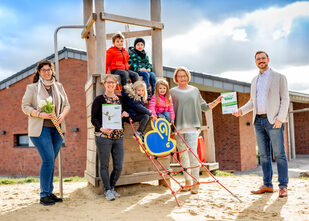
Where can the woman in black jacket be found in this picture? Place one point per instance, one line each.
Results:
(108, 141)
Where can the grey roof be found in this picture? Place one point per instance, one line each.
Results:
(63, 53)
(197, 78)
(202, 80)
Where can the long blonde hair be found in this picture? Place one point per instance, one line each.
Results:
(167, 94)
(139, 84)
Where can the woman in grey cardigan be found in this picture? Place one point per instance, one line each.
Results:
(41, 130)
(188, 105)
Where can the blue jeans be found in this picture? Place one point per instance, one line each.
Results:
(149, 78)
(107, 147)
(268, 137)
(166, 115)
(48, 145)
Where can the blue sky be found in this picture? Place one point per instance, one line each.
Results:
(217, 37)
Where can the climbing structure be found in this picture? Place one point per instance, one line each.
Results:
(164, 147)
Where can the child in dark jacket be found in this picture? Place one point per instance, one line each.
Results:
(117, 61)
(133, 99)
(139, 62)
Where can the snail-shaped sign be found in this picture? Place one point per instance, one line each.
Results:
(158, 141)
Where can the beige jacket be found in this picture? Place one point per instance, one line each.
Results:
(29, 103)
(277, 103)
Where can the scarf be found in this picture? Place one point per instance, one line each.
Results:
(43, 94)
(142, 53)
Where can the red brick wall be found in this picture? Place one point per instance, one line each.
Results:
(247, 136)
(26, 161)
(235, 142)
(301, 129)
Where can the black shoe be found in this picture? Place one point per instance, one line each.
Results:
(55, 198)
(47, 201)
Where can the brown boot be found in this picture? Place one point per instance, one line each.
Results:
(194, 189)
(188, 188)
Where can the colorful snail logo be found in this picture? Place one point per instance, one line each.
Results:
(158, 141)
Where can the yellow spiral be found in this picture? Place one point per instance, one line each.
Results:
(163, 128)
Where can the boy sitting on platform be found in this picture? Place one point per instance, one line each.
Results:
(117, 61)
(139, 62)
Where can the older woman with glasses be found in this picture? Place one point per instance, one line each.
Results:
(188, 105)
(41, 130)
(108, 141)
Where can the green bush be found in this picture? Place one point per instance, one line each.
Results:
(222, 173)
(6, 181)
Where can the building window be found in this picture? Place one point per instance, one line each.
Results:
(22, 140)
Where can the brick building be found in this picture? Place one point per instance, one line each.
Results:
(234, 137)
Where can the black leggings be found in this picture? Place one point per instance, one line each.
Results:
(107, 147)
(125, 76)
(143, 119)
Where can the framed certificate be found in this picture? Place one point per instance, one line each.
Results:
(111, 116)
(229, 103)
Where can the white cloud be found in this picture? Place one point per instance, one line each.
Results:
(240, 35)
(230, 44)
(274, 21)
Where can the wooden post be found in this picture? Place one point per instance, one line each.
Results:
(90, 40)
(210, 147)
(127, 28)
(292, 132)
(100, 39)
(155, 14)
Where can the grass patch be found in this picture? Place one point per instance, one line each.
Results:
(8, 181)
(222, 173)
(74, 179)
(303, 178)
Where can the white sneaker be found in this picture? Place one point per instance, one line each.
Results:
(109, 195)
(115, 193)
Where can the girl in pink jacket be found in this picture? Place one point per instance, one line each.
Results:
(161, 104)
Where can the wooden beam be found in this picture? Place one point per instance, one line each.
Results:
(131, 21)
(211, 150)
(131, 34)
(157, 60)
(89, 24)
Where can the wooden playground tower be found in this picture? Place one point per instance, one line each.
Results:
(137, 168)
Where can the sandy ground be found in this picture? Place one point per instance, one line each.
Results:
(148, 201)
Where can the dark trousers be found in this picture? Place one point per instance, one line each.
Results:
(125, 75)
(105, 148)
(143, 120)
(150, 79)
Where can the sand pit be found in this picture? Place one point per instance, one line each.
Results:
(148, 201)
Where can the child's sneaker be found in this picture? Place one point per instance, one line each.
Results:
(139, 136)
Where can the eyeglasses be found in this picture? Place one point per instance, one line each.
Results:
(110, 82)
(45, 70)
(182, 76)
(261, 58)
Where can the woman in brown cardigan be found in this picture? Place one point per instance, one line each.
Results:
(41, 130)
